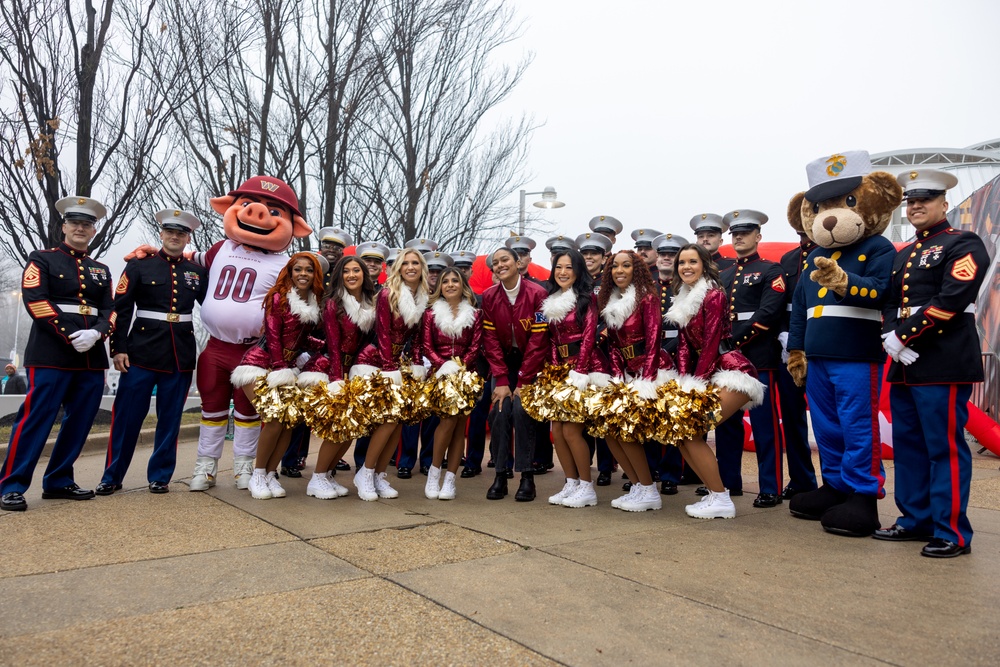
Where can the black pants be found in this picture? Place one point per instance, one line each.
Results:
(508, 418)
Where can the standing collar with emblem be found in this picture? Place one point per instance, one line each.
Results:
(936, 229)
(748, 258)
(173, 260)
(69, 250)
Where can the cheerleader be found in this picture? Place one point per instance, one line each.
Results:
(571, 311)
(348, 320)
(399, 310)
(630, 306)
(452, 333)
(706, 352)
(291, 313)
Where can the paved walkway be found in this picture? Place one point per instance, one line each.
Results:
(219, 578)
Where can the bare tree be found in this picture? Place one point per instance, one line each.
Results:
(78, 115)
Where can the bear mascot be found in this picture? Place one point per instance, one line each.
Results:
(834, 337)
(260, 218)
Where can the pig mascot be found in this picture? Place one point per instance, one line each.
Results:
(260, 218)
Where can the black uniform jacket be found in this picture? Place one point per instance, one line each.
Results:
(756, 291)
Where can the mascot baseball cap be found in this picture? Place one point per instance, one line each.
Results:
(836, 175)
(272, 188)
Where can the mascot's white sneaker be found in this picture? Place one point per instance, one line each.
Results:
(242, 471)
(583, 496)
(715, 506)
(647, 498)
(337, 486)
(205, 468)
(258, 485)
(433, 486)
(447, 487)
(383, 488)
(320, 487)
(274, 486)
(568, 488)
(364, 482)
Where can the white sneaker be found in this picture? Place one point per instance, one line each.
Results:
(205, 468)
(617, 502)
(258, 485)
(568, 488)
(433, 486)
(242, 470)
(716, 506)
(583, 496)
(382, 487)
(447, 487)
(365, 484)
(337, 486)
(647, 498)
(320, 487)
(274, 486)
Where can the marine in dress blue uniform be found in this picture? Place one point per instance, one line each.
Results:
(157, 354)
(708, 229)
(756, 290)
(930, 331)
(794, 426)
(68, 296)
(643, 239)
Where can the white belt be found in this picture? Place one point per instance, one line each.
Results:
(744, 316)
(852, 312)
(670, 333)
(163, 317)
(79, 308)
(788, 307)
(913, 310)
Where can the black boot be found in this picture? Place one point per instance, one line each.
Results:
(526, 492)
(499, 488)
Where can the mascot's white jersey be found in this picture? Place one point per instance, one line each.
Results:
(238, 279)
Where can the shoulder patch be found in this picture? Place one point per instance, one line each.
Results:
(963, 269)
(32, 276)
(778, 284)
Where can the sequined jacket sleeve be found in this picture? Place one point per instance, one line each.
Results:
(331, 325)
(714, 325)
(275, 333)
(383, 331)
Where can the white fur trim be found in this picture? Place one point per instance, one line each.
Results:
(687, 303)
(335, 387)
(244, 375)
(419, 371)
(449, 323)
(362, 314)
(395, 376)
(411, 308)
(449, 367)
(312, 379)
(645, 388)
(557, 306)
(361, 370)
(306, 311)
(619, 307)
(665, 376)
(578, 380)
(743, 383)
(691, 383)
(282, 377)
(599, 379)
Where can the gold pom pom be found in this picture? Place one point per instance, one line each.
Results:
(339, 417)
(415, 397)
(277, 404)
(672, 416)
(457, 393)
(551, 397)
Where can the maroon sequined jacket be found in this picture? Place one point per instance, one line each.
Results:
(521, 323)
(285, 337)
(446, 336)
(635, 346)
(698, 351)
(393, 337)
(574, 342)
(344, 339)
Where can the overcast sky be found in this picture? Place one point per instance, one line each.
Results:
(654, 112)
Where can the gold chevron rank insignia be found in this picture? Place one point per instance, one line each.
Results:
(41, 309)
(32, 276)
(964, 269)
(122, 285)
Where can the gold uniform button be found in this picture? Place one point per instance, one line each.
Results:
(60, 275)
(854, 290)
(903, 337)
(873, 293)
(906, 299)
(919, 246)
(909, 264)
(906, 275)
(62, 328)
(924, 322)
(864, 291)
(906, 287)
(914, 329)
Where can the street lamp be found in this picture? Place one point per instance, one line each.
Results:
(17, 324)
(548, 200)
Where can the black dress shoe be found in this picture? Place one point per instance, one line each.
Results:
(424, 470)
(790, 492)
(392, 461)
(895, 533)
(668, 488)
(498, 489)
(767, 500)
(289, 471)
(491, 464)
(404, 473)
(526, 491)
(703, 491)
(508, 473)
(105, 489)
(159, 487)
(71, 492)
(604, 478)
(469, 471)
(13, 502)
(939, 548)
(627, 486)
(343, 465)
(539, 469)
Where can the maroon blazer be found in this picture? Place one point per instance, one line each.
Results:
(521, 323)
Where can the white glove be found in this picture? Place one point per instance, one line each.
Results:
(282, 377)
(645, 388)
(579, 380)
(892, 345)
(449, 367)
(908, 356)
(335, 387)
(84, 339)
(302, 360)
(783, 339)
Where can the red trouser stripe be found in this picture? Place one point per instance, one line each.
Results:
(107, 463)
(779, 434)
(875, 383)
(12, 451)
(956, 500)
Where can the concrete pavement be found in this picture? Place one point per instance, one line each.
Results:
(219, 578)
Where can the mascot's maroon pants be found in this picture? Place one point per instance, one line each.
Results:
(215, 364)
